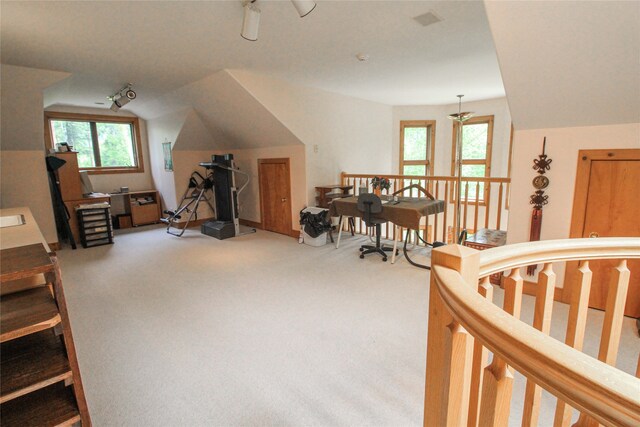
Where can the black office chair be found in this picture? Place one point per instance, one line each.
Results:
(370, 204)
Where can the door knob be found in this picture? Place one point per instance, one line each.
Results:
(283, 200)
(594, 234)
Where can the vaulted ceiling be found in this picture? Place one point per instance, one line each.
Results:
(161, 46)
(564, 63)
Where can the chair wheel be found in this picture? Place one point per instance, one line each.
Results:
(361, 249)
(384, 259)
(361, 256)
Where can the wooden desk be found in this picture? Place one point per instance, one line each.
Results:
(406, 213)
(326, 194)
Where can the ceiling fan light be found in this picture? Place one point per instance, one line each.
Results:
(304, 7)
(251, 22)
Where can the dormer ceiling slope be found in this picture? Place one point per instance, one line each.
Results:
(568, 63)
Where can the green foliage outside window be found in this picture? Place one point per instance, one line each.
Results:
(114, 146)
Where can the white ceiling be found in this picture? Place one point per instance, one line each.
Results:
(161, 46)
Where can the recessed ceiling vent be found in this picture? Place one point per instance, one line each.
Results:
(427, 18)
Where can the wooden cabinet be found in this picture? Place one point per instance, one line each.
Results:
(40, 381)
(69, 177)
(326, 193)
(145, 207)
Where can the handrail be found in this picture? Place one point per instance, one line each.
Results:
(427, 177)
(608, 395)
(528, 253)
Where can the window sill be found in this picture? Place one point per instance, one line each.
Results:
(105, 171)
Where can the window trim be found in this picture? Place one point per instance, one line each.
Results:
(431, 126)
(486, 162)
(134, 121)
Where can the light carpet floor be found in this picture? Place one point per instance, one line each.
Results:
(257, 330)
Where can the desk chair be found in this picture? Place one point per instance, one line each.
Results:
(370, 204)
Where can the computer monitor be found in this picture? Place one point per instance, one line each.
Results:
(87, 188)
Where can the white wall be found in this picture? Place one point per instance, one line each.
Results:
(562, 147)
(108, 183)
(444, 146)
(159, 130)
(340, 133)
(23, 180)
(444, 132)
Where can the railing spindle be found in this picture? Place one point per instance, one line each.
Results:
(475, 218)
(576, 325)
(435, 219)
(499, 210)
(480, 360)
(612, 325)
(487, 203)
(446, 209)
(497, 384)
(466, 204)
(542, 322)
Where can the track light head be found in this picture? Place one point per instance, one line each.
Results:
(304, 7)
(251, 21)
(122, 97)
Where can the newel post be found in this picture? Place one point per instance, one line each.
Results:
(449, 345)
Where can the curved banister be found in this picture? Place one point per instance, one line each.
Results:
(610, 396)
(528, 253)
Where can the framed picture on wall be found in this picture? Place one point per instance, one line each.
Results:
(168, 160)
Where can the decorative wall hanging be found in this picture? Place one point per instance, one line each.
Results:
(542, 164)
(168, 159)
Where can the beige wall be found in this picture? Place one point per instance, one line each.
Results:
(339, 133)
(23, 175)
(563, 145)
(108, 183)
(185, 162)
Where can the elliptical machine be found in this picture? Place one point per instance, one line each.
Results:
(227, 223)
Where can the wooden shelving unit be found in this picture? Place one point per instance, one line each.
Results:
(40, 381)
(145, 207)
(326, 194)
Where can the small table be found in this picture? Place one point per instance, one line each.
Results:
(405, 213)
(485, 238)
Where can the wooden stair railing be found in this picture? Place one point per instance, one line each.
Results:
(483, 205)
(464, 324)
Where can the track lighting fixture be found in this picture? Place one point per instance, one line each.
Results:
(122, 97)
(251, 19)
(304, 7)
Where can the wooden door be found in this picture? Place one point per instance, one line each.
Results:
(605, 205)
(275, 195)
